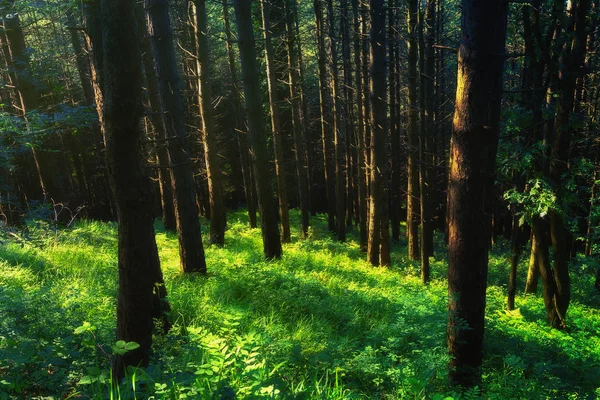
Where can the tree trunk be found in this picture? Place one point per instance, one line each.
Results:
(297, 115)
(275, 123)
(425, 140)
(256, 130)
(571, 60)
(339, 134)
(515, 254)
(360, 132)
(473, 150)
(394, 66)
(378, 252)
(191, 251)
(218, 218)
(240, 130)
(326, 121)
(139, 265)
(533, 272)
(412, 193)
(158, 123)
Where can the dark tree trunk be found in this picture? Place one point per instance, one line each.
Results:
(473, 151)
(378, 252)
(360, 132)
(209, 130)
(339, 128)
(297, 115)
(425, 141)
(326, 118)
(157, 120)
(191, 251)
(275, 123)
(394, 66)
(256, 130)
(571, 61)
(412, 193)
(139, 266)
(240, 130)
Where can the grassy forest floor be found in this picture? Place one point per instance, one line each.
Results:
(320, 323)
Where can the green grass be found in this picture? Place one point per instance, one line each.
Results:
(320, 323)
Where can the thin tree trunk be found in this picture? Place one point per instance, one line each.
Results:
(297, 115)
(218, 218)
(339, 129)
(394, 121)
(256, 130)
(515, 254)
(473, 150)
(360, 136)
(533, 272)
(326, 121)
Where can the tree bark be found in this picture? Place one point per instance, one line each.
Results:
(191, 250)
(412, 193)
(138, 262)
(360, 132)
(275, 123)
(378, 252)
(240, 131)
(339, 129)
(326, 120)
(218, 218)
(297, 115)
(473, 151)
(256, 130)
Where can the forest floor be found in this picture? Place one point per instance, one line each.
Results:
(320, 323)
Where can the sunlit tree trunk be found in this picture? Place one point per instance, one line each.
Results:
(256, 130)
(473, 154)
(209, 128)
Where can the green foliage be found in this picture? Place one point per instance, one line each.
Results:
(321, 323)
(538, 199)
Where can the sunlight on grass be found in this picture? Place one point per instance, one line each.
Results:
(319, 323)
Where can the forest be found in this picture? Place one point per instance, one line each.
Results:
(299, 199)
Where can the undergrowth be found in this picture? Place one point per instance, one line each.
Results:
(318, 324)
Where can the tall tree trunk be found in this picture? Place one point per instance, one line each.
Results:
(572, 59)
(425, 141)
(139, 265)
(348, 113)
(412, 193)
(275, 123)
(209, 130)
(256, 130)
(515, 254)
(378, 252)
(394, 120)
(297, 115)
(240, 130)
(473, 150)
(191, 251)
(326, 117)
(360, 132)
(339, 128)
(158, 123)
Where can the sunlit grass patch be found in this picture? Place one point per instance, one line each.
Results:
(319, 323)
